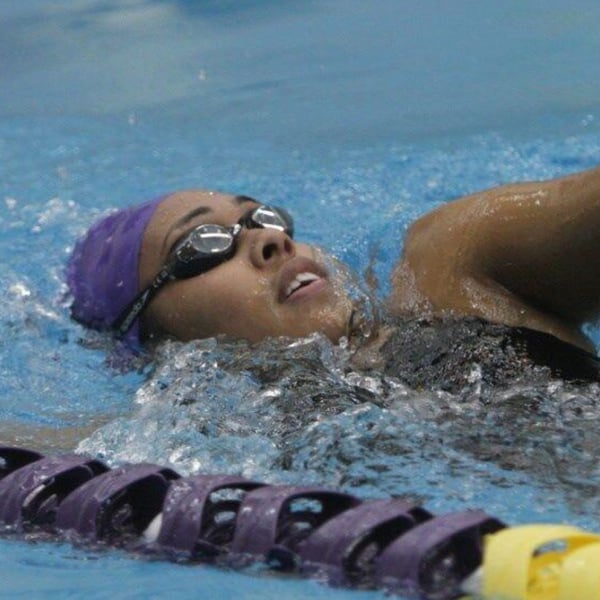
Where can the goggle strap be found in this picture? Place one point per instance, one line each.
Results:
(125, 320)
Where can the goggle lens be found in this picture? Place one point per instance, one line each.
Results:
(210, 239)
(270, 218)
(209, 245)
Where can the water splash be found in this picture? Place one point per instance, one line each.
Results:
(297, 412)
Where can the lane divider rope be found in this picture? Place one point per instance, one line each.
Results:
(228, 520)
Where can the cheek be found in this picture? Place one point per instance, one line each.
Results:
(182, 312)
(226, 300)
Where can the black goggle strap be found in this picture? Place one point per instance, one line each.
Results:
(125, 320)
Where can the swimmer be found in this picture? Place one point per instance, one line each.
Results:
(196, 264)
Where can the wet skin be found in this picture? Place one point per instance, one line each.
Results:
(524, 255)
(250, 296)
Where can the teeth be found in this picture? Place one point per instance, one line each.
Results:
(299, 280)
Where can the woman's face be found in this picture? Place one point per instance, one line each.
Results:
(248, 296)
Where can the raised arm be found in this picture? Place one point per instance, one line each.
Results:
(524, 255)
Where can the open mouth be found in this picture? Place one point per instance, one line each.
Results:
(301, 278)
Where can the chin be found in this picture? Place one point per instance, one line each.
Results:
(334, 328)
(335, 337)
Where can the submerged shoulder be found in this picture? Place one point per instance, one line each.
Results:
(451, 354)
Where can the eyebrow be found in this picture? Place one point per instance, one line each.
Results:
(242, 199)
(199, 210)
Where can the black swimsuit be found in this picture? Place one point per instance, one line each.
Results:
(450, 354)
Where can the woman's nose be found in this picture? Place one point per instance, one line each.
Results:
(268, 246)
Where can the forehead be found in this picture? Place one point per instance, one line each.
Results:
(182, 207)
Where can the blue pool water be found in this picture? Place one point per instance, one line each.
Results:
(356, 116)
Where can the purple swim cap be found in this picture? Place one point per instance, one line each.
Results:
(102, 273)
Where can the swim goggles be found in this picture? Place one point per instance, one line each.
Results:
(200, 250)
